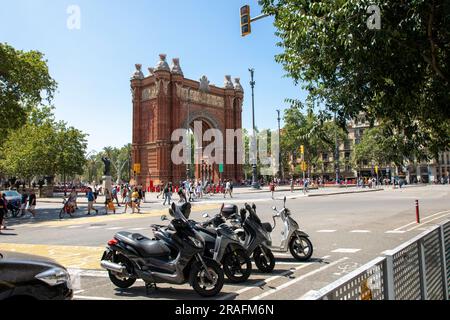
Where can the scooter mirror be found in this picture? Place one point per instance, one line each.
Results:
(254, 206)
(274, 208)
(164, 218)
(285, 201)
(206, 215)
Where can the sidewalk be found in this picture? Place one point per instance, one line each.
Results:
(150, 198)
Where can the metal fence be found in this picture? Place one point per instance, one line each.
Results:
(417, 270)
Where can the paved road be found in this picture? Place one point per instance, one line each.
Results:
(347, 231)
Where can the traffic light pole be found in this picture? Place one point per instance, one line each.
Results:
(262, 16)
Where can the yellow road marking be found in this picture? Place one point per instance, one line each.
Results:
(73, 257)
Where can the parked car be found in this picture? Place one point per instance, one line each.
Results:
(13, 197)
(25, 277)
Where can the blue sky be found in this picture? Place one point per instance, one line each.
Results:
(93, 65)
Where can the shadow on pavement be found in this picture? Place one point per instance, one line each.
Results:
(162, 293)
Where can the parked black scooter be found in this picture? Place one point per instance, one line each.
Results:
(221, 244)
(255, 237)
(177, 259)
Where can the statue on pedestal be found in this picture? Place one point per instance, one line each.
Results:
(107, 162)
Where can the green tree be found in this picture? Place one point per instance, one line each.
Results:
(378, 148)
(316, 135)
(43, 147)
(70, 149)
(400, 72)
(25, 83)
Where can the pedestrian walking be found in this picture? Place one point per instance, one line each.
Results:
(127, 200)
(305, 185)
(167, 194)
(109, 204)
(124, 194)
(227, 189)
(91, 201)
(135, 200)
(23, 203)
(272, 188)
(32, 204)
(161, 190)
(3, 210)
(114, 194)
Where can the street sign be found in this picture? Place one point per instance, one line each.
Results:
(220, 168)
(137, 168)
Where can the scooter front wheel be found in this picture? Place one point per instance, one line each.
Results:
(264, 264)
(200, 281)
(301, 248)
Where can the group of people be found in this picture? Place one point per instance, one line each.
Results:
(132, 197)
(27, 204)
(190, 190)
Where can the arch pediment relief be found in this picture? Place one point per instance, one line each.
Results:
(199, 97)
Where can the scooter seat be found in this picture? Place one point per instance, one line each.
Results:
(146, 247)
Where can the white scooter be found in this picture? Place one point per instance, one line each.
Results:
(292, 239)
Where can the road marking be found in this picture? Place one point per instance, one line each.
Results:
(346, 250)
(289, 283)
(360, 231)
(95, 227)
(423, 223)
(115, 228)
(78, 292)
(138, 229)
(74, 227)
(393, 231)
(424, 218)
(72, 257)
(326, 231)
(266, 281)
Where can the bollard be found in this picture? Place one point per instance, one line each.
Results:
(417, 211)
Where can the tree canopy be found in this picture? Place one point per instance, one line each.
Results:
(43, 147)
(25, 83)
(399, 75)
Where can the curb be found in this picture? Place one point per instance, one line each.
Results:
(344, 192)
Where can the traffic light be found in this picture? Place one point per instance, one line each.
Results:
(304, 166)
(246, 27)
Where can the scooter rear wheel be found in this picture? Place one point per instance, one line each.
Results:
(264, 264)
(237, 266)
(122, 283)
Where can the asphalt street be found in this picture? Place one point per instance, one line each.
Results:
(347, 230)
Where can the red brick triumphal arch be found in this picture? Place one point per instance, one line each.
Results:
(161, 101)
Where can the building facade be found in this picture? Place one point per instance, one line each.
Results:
(413, 172)
(164, 101)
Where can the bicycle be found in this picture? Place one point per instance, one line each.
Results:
(66, 209)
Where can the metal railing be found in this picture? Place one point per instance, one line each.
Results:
(417, 270)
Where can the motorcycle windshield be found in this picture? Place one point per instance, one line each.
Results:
(180, 216)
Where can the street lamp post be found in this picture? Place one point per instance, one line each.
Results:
(280, 169)
(336, 153)
(255, 184)
(187, 133)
